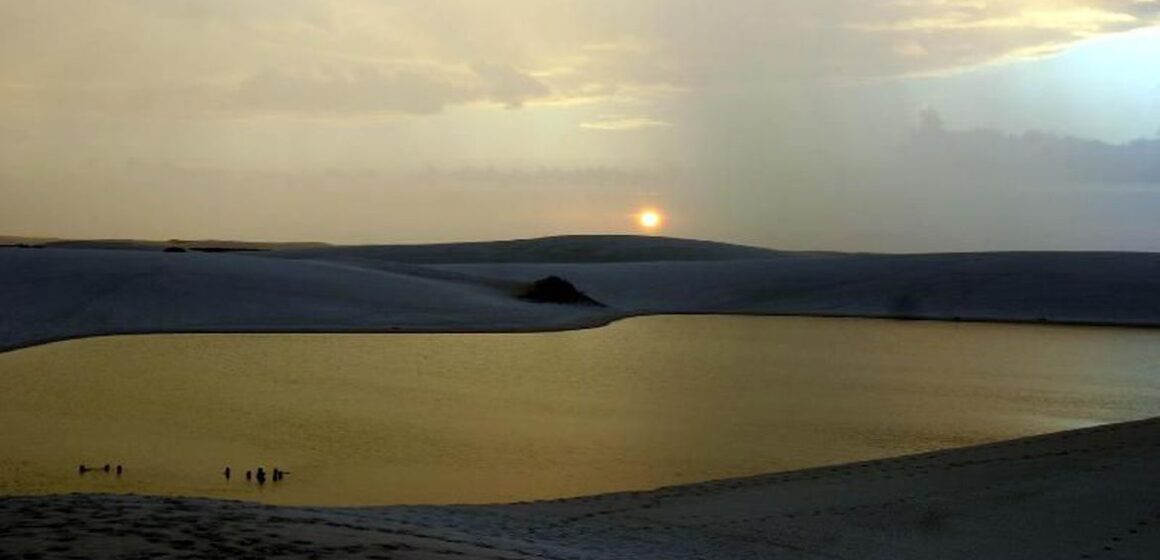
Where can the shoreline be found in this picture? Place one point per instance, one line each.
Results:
(1093, 491)
(595, 323)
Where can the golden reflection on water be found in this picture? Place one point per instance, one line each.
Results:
(378, 419)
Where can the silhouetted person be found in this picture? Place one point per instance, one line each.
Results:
(249, 475)
(81, 470)
(227, 473)
(120, 470)
(261, 475)
(277, 474)
(105, 468)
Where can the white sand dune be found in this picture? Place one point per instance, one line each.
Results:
(1092, 493)
(58, 293)
(54, 294)
(1085, 494)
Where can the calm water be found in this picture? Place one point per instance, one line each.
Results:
(376, 419)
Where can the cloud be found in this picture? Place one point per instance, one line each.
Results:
(244, 13)
(1041, 158)
(367, 91)
(622, 123)
(507, 85)
(561, 53)
(957, 34)
(1075, 20)
(371, 91)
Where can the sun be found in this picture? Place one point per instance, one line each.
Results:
(650, 219)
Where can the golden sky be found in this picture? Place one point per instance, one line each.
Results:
(762, 121)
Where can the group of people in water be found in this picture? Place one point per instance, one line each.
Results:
(259, 475)
(82, 469)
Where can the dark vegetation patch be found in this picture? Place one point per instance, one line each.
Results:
(553, 289)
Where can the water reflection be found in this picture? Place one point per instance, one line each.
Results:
(369, 419)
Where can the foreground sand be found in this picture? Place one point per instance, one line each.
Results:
(1091, 493)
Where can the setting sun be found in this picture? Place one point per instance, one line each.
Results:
(649, 219)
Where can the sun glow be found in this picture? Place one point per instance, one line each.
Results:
(650, 219)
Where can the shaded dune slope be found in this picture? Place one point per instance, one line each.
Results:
(1096, 288)
(54, 294)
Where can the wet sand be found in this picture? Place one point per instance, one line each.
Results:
(1092, 493)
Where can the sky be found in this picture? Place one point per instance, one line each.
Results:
(854, 125)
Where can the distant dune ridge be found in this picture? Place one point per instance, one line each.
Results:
(563, 249)
(76, 290)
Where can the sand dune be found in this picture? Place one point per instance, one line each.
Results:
(53, 294)
(561, 249)
(1085, 494)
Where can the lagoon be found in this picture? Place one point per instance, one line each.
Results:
(476, 418)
